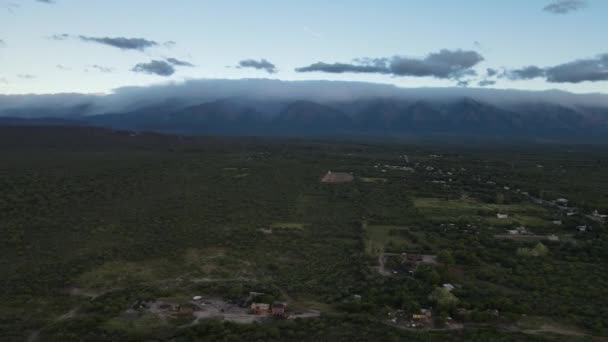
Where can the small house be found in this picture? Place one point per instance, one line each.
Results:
(186, 309)
(278, 309)
(502, 216)
(561, 201)
(260, 308)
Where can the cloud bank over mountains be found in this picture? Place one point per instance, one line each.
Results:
(193, 92)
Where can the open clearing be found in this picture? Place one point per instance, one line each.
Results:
(381, 238)
(451, 210)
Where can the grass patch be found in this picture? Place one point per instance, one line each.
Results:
(381, 239)
(141, 325)
(120, 274)
(438, 209)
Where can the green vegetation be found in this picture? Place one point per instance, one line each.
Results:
(92, 229)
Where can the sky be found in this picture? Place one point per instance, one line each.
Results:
(91, 46)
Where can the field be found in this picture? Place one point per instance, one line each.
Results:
(380, 239)
(467, 209)
(96, 224)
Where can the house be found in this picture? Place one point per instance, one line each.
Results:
(278, 309)
(582, 228)
(413, 257)
(518, 231)
(423, 315)
(561, 201)
(557, 222)
(502, 216)
(186, 309)
(337, 177)
(260, 308)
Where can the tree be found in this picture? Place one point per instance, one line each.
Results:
(444, 298)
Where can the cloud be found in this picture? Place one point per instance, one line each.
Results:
(155, 67)
(10, 6)
(178, 62)
(463, 83)
(46, 1)
(592, 69)
(262, 64)
(491, 72)
(26, 76)
(169, 44)
(485, 83)
(445, 64)
(339, 68)
(100, 68)
(525, 73)
(62, 36)
(2, 43)
(580, 70)
(565, 6)
(122, 42)
(62, 67)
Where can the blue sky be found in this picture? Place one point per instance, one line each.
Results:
(216, 35)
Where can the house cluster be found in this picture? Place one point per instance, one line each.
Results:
(276, 309)
(422, 318)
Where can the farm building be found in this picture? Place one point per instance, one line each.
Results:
(260, 308)
(337, 177)
(278, 309)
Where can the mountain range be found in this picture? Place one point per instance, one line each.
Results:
(269, 107)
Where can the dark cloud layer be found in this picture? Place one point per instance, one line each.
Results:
(178, 62)
(155, 67)
(491, 72)
(526, 73)
(338, 68)
(581, 70)
(262, 64)
(121, 42)
(446, 64)
(565, 6)
(485, 83)
(592, 69)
